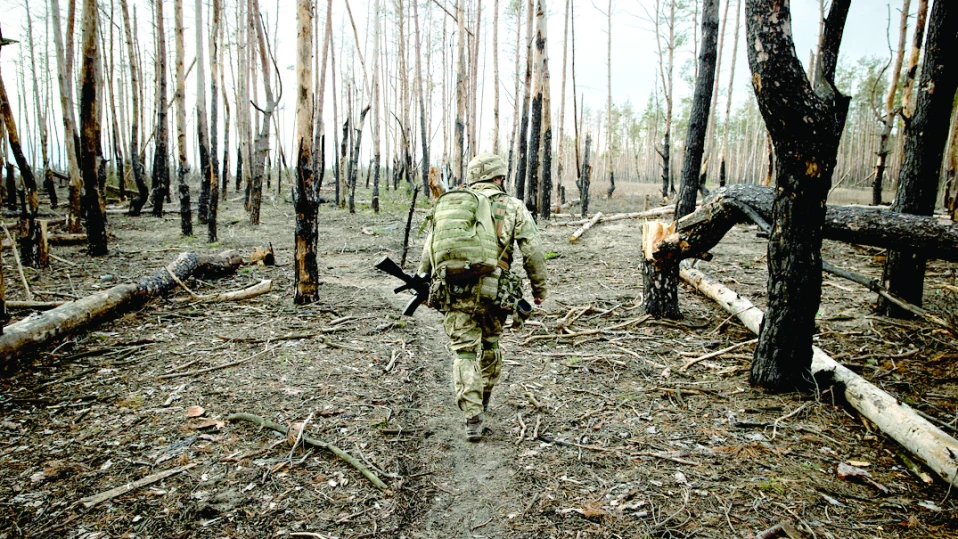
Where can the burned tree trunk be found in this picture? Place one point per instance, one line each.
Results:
(179, 98)
(424, 134)
(545, 146)
(660, 277)
(354, 160)
(29, 237)
(700, 113)
(305, 192)
(806, 126)
(459, 132)
(261, 150)
(585, 177)
(926, 134)
(161, 156)
(202, 127)
(523, 127)
(90, 160)
(65, 86)
(213, 178)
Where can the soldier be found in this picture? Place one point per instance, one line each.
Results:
(473, 315)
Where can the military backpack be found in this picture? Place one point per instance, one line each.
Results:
(465, 244)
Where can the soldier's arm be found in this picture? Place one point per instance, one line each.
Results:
(425, 261)
(533, 259)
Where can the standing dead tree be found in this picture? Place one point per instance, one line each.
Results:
(65, 85)
(926, 133)
(142, 191)
(543, 93)
(305, 190)
(888, 119)
(523, 126)
(459, 132)
(202, 127)
(41, 116)
(213, 175)
(90, 160)
(161, 156)
(179, 98)
(728, 95)
(261, 146)
(806, 125)
(28, 240)
(424, 134)
(701, 113)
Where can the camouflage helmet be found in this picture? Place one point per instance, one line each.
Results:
(485, 167)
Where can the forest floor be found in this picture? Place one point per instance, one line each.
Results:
(596, 435)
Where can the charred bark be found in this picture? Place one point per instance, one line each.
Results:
(161, 154)
(926, 134)
(585, 178)
(700, 113)
(91, 163)
(805, 125)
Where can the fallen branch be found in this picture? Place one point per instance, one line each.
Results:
(265, 423)
(716, 353)
(217, 367)
(584, 228)
(39, 305)
(638, 320)
(16, 257)
(894, 418)
(257, 289)
(90, 501)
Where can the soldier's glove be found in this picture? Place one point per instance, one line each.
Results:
(520, 314)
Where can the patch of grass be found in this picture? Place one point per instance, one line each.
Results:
(551, 254)
(772, 485)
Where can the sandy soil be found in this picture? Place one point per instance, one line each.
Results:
(597, 435)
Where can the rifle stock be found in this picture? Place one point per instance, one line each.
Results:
(419, 285)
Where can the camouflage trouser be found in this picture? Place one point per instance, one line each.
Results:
(478, 362)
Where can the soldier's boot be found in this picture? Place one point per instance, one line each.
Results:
(474, 428)
(486, 395)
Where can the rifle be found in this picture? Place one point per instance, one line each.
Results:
(418, 284)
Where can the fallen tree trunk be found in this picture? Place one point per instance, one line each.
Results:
(32, 333)
(584, 228)
(894, 418)
(863, 225)
(654, 212)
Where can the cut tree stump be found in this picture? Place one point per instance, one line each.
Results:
(896, 419)
(31, 333)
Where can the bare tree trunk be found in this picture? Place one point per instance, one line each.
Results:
(424, 134)
(585, 175)
(610, 135)
(806, 125)
(65, 85)
(41, 118)
(559, 154)
(305, 192)
(319, 136)
(29, 238)
(513, 141)
(161, 157)
(213, 174)
(93, 204)
(926, 134)
(179, 98)
(262, 139)
(142, 192)
(375, 167)
(907, 104)
(709, 138)
(495, 77)
(951, 170)
(459, 132)
(202, 125)
(523, 127)
(728, 97)
(701, 112)
(545, 82)
(890, 114)
(535, 124)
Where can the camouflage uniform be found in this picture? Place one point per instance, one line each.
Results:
(473, 319)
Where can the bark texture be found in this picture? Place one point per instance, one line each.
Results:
(926, 134)
(701, 112)
(806, 126)
(94, 214)
(305, 192)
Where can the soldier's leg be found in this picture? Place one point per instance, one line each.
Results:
(490, 363)
(465, 335)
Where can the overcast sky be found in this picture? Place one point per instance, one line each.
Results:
(634, 59)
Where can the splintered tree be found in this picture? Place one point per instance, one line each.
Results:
(926, 133)
(93, 204)
(28, 240)
(183, 166)
(806, 126)
(161, 155)
(305, 191)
